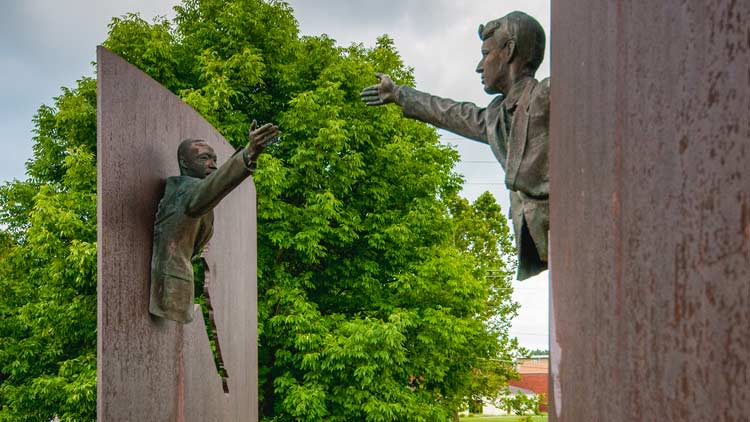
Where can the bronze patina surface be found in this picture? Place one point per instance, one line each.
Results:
(185, 219)
(515, 124)
(650, 211)
(150, 368)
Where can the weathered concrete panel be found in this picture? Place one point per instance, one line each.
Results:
(650, 210)
(150, 369)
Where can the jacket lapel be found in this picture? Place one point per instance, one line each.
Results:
(497, 138)
(517, 139)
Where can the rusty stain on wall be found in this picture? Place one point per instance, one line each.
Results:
(650, 264)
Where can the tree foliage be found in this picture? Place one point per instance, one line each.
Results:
(48, 269)
(383, 295)
(521, 404)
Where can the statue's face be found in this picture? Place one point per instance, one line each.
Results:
(199, 160)
(494, 66)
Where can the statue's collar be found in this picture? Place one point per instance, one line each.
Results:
(515, 93)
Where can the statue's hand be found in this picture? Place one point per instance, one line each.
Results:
(382, 93)
(260, 138)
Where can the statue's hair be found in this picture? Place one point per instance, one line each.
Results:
(185, 146)
(526, 31)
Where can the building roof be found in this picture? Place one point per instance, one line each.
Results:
(533, 365)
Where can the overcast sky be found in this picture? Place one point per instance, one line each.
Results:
(47, 44)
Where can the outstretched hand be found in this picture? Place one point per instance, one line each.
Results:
(261, 138)
(382, 93)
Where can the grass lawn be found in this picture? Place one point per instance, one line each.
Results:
(542, 418)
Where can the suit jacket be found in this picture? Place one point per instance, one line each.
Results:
(517, 129)
(184, 224)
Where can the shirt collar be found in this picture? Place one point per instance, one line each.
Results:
(515, 93)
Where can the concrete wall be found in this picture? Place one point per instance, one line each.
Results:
(150, 369)
(650, 210)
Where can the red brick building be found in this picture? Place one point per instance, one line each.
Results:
(534, 377)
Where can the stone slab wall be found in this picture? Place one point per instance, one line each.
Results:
(650, 211)
(150, 369)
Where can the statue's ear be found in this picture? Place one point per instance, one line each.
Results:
(511, 46)
(183, 164)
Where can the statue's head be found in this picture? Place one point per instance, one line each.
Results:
(196, 158)
(512, 48)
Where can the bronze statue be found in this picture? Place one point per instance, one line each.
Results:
(515, 124)
(184, 221)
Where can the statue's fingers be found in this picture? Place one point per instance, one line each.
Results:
(371, 98)
(263, 131)
(374, 103)
(369, 90)
(270, 134)
(265, 128)
(271, 137)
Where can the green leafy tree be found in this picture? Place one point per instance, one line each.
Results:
(48, 269)
(522, 404)
(383, 295)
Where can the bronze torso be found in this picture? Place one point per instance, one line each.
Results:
(517, 129)
(184, 224)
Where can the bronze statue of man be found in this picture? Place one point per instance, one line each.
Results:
(515, 124)
(184, 220)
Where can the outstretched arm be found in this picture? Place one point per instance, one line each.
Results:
(218, 184)
(462, 118)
